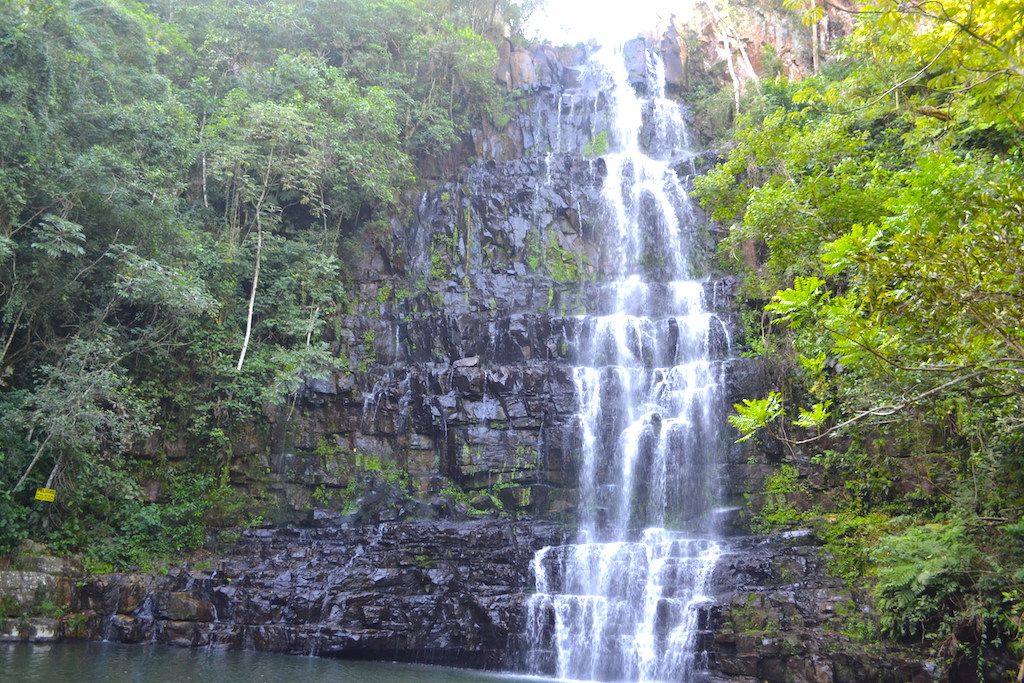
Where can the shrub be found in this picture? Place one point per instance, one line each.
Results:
(849, 538)
(921, 574)
(12, 524)
(778, 512)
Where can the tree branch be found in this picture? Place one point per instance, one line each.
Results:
(882, 411)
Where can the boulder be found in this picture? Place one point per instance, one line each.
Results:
(182, 606)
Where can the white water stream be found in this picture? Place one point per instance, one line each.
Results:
(621, 603)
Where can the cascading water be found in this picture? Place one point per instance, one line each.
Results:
(622, 601)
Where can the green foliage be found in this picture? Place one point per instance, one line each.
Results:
(154, 158)
(50, 610)
(867, 477)
(755, 334)
(794, 304)
(385, 470)
(750, 617)
(815, 417)
(424, 561)
(362, 471)
(810, 13)
(850, 539)
(9, 607)
(852, 622)
(778, 511)
(544, 253)
(534, 250)
(322, 495)
(441, 252)
(596, 146)
(484, 501)
(116, 529)
(13, 524)
(877, 208)
(76, 623)
(456, 493)
(755, 414)
(562, 264)
(921, 573)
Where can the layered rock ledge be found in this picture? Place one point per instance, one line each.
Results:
(780, 616)
(433, 592)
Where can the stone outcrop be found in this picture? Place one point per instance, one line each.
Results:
(780, 617)
(438, 592)
(35, 589)
(762, 40)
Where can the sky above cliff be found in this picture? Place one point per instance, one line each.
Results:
(572, 21)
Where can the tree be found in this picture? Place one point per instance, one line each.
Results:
(876, 212)
(180, 183)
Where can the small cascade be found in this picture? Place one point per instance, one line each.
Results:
(622, 601)
(331, 603)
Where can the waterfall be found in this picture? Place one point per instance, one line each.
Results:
(622, 601)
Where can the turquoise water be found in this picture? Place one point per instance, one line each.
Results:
(108, 662)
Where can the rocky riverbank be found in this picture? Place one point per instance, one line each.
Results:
(780, 616)
(446, 592)
(436, 592)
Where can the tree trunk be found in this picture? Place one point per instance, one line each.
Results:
(202, 144)
(815, 58)
(53, 472)
(252, 293)
(32, 464)
(726, 35)
(14, 331)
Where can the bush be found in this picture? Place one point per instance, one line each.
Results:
(778, 512)
(12, 524)
(116, 529)
(849, 538)
(922, 572)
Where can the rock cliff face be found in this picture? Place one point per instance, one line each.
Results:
(463, 333)
(35, 580)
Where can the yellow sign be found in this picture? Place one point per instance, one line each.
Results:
(46, 495)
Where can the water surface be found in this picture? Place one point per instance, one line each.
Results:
(115, 663)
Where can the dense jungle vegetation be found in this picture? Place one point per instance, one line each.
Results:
(181, 187)
(877, 215)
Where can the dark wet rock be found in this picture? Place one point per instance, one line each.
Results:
(675, 54)
(441, 592)
(778, 616)
(183, 606)
(635, 54)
